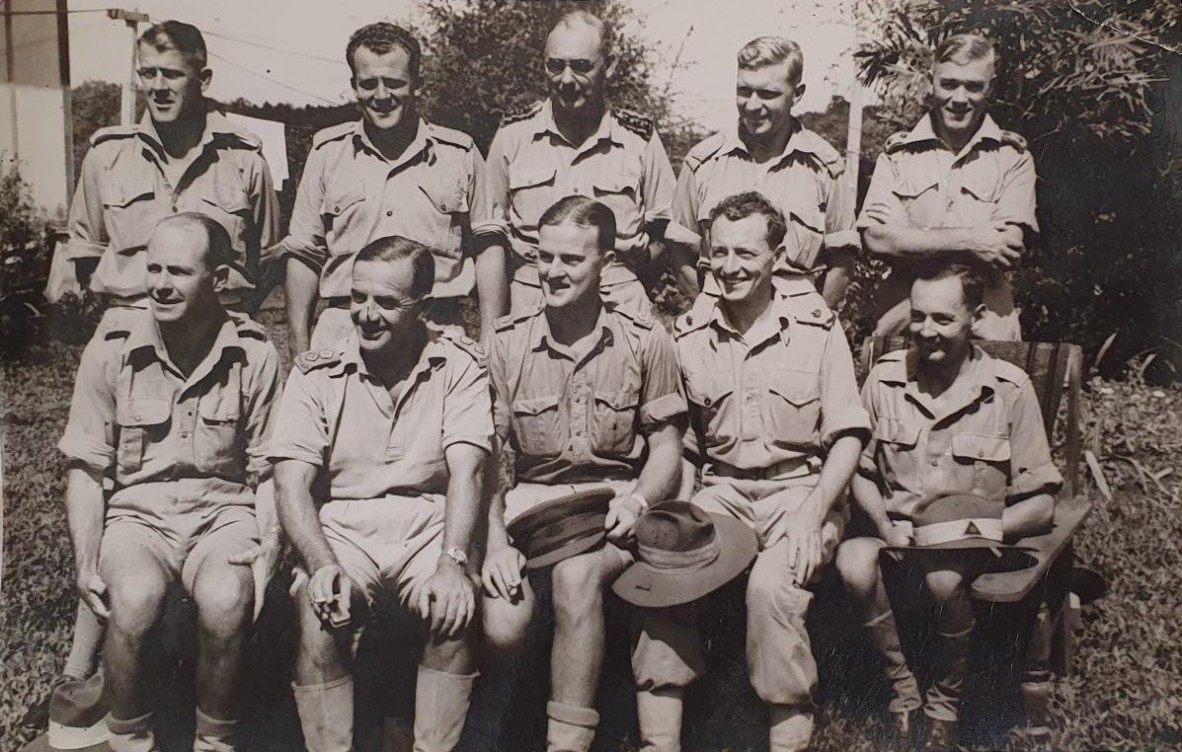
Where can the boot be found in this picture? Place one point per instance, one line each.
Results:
(791, 729)
(659, 712)
(885, 636)
(214, 735)
(943, 698)
(441, 706)
(326, 715)
(570, 729)
(132, 735)
(941, 736)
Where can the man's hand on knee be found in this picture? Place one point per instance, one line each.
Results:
(502, 571)
(263, 560)
(448, 600)
(93, 591)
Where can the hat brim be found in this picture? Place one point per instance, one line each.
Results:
(574, 548)
(986, 555)
(41, 744)
(594, 500)
(648, 587)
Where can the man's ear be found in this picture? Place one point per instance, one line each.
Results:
(609, 68)
(206, 77)
(979, 313)
(797, 94)
(221, 277)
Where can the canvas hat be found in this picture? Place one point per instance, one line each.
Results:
(685, 553)
(563, 527)
(970, 525)
(77, 718)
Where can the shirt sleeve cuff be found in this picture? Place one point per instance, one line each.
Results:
(843, 239)
(96, 455)
(480, 441)
(1034, 481)
(314, 257)
(661, 410)
(852, 421)
(288, 452)
(80, 249)
(678, 233)
(490, 227)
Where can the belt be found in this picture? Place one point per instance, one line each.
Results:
(780, 470)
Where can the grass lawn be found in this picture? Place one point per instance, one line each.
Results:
(1125, 694)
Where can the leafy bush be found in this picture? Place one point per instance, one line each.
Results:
(25, 247)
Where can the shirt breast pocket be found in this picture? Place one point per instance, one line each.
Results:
(130, 212)
(980, 192)
(621, 192)
(536, 426)
(219, 446)
(142, 422)
(447, 215)
(808, 225)
(794, 408)
(896, 442)
(531, 191)
(345, 225)
(708, 400)
(616, 422)
(982, 463)
(231, 208)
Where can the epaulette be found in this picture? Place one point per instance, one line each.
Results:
(704, 149)
(332, 133)
(508, 321)
(826, 154)
(895, 141)
(1013, 139)
(249, 327)
(814, 315)
(1007, 371)
(457, 337)
(894, 356)
(310, 360)
(451, 136)
(113, 132)
(688, 322)
(637, 123)
(525, 113)
(641, 318)
(113, 329)
(245, 137)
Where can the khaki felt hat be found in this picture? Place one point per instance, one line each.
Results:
(77, 718)
(965, 526)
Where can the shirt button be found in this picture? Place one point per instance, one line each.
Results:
(138, 418)
(389, 212)
(935, 463)
(184, 434)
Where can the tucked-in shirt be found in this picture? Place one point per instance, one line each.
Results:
(531, 166)
(987, 440)
(774, 397)
(350, 195)
(339, 417)
(920, 182)
(805, 182)
(579, 416)
(123, 192)
(195, 441)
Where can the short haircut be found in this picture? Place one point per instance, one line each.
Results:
(583, 212)
(971, 282)
(575, 18)
(764, 51)
(965, 48)
(218, 249)
(177, 35)
(743, 205)
(397, 248)
(380, 38)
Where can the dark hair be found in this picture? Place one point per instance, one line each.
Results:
(972, 284)
(381, 38)
(398, 248)
(743, 205)
(583, 212)
(177, 35)
(218, 248)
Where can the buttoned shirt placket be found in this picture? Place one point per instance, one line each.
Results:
(578, 395)
(933, 443)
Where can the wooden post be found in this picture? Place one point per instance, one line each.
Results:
(127, 100)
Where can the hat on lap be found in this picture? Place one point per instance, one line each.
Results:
(965, 526)
(563, 527)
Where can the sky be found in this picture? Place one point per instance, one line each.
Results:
(293, 51)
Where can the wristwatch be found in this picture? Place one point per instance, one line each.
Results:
(643, 502)
(456, 554)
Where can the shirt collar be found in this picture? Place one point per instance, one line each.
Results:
(216, 125)
(969, 387)
(802, 140)
(924, 131)
(608, 128)
(422, 141)
(541, 336)
(144, 341)
(779, 314)
(433, 357)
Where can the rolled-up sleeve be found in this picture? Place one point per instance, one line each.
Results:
(841, 410)
(881, 193)
(88, 234)
(1016, 203)
(264, 207)
(662, 396)
(468, 407)
(306, 238)
(658, 182)
(839, 215)
(502, 417)
(301, 428)
(262, 404)
(1032, 472)
(867, 464)
(90, 437)
(684, 225)
(490, 214)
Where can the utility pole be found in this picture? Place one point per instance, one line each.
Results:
(853, 143)
(127, 100)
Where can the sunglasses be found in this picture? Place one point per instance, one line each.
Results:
(578, 66)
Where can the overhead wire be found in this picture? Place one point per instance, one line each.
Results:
(275, 81)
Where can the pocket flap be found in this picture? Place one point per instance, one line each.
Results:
(618, 183)
(129, 191)
(341, 197)
(528, 177)
(798, 387)
(143, 412)
(228, 199)
(223, 410)
(535, 406)
(977, 446)
(707, 393)
(982, 186)
(446, 198)
(623, 400)
(912, 186)
(895, 431)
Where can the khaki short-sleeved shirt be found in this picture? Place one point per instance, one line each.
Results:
(196, 442)
(989, 440)
(773, 399)
(573, 417)
(531, 166)
(805, 182)
(123, 192)
(337, 416)
(350, 195)
(920, 182)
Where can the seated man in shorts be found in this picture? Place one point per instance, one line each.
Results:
(948, 419)
(379, 453)
(776, 429)
(174, 404)
(586, 395)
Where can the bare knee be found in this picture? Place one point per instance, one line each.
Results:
(578, 589)
(943, 585)
(136, 600)
(505, 623)
(857, 563)
(225, 598)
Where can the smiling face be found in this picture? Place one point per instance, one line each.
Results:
(740, 258)
(173, 84)
(384, 86)
(941, 321)
(576, 68)
(960, 96)
(570, 264)
(181, 286)
(382, 304)
(765, 97)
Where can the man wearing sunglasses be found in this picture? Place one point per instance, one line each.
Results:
(574, 143)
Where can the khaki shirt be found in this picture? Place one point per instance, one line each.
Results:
(773, 399)
(123, 192)
(805, 182)
(922, 183)
(197, 441)
(350, 195)
(989, 440)
(573, 417)
(531, 166)
(338, 417)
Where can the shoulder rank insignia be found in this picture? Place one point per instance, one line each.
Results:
(524, 113)
(310, 360)
(688, 322)
(248, 327)
(813, 315)
(895, 141)
(641, 318)
(457, 337)
(637, 123)
(1013, 139)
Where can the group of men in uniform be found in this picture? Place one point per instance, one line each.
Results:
(399, 453)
